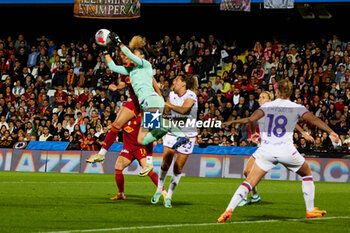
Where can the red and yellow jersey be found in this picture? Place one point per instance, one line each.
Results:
(132, 96)
(130, 132)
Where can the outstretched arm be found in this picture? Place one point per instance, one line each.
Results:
(306, 136)
(138, 61)
(115, 68)
(238, 121)
(253, 119)
(320, 124)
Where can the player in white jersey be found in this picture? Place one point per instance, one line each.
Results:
(182, 106)
(277, 120)
(264, 97)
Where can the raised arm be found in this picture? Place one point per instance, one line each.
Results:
(115, 68)
(138, 61)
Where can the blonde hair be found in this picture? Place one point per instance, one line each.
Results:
(137, 42)
(269, 94)
(285, 88)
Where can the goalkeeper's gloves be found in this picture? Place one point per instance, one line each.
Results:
(115, 38)
(105, 51)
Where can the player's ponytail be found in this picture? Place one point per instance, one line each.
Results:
(191, 82)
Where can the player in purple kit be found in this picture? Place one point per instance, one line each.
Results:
(182, 105)
(277, 120)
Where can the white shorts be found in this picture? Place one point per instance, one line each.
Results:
(266, 157)
(169, 140)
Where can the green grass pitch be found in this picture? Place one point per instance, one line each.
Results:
(53, 202)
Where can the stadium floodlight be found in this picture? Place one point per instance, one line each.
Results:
(305, 11)
(322, 12)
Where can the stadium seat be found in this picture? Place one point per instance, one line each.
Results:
(3, 78)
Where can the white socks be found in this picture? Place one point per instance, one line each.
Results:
(175, 179)
(240, 194)
(161, 179)
(308, 188)
(173, 183)
(102, 151)
(149, 160)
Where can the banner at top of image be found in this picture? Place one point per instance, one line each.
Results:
(106, 9)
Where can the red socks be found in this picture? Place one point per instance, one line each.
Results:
(119, 179)
(154, 177)
(110, 138)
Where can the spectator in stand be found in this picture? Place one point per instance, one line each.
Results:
(238, 63)
(88, 142)
(3, 122)
(44, 70)
(334, 42)
(191, 49)
(166, 90)
(59, 77)
(211, 92)
(252, 104)
(70, 80)
(46, 136)
(346, 77)
(303, 145)
(18, 90)
(272, 74)
(217, 85)
(219, 99)
(107, 79)
(33, 108)
(342, 127)
(226, 86)
(60, 97)
(90, 80)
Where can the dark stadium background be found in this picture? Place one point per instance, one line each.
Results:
(58, 23)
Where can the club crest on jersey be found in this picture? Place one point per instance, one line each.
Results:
(151, 120)
(128, 129)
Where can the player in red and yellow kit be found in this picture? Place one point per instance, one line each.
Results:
(127, 113)
(131, 151)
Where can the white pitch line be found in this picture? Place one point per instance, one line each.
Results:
(199, 224)
(83, 182)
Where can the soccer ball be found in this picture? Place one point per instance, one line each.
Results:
(102, 37)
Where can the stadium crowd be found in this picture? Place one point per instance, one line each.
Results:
(59, 92)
